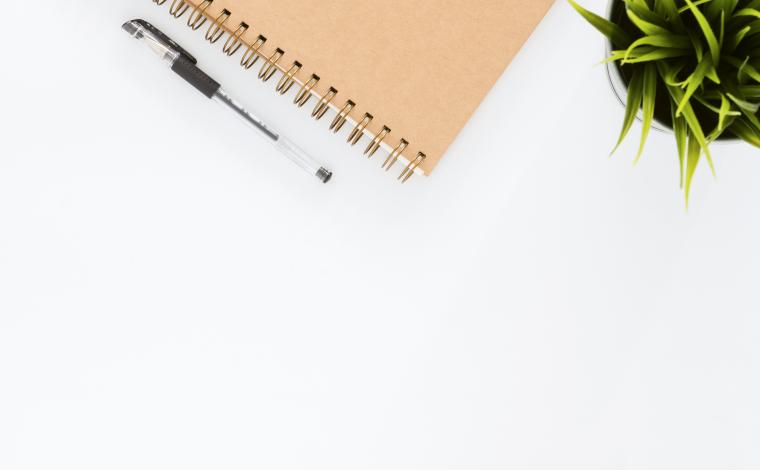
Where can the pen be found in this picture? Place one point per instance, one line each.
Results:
(185, 65)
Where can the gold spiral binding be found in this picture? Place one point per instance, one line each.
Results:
(198, 17)
(358, 132)
(393, 157)
(270, 66)
(374, 146)
(251, 55)
(324, 104)
(178, 8)
(215, 31)
(409, 170)
(233, 42)
(342, 116)
(287, 80)
(304, 94)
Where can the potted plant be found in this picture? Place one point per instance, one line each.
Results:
(691, 65)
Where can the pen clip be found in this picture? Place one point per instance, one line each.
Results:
(169, 42)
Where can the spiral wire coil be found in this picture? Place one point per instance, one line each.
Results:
(218, 28)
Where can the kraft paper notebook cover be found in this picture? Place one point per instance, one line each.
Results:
(403, 75)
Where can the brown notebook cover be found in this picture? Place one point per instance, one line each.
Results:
(418, 67)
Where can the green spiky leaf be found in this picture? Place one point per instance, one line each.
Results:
(633, 102)
(614, 32)
(694, 152)
(681, 131)
(649, 97)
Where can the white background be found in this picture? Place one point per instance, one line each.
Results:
(174, 294)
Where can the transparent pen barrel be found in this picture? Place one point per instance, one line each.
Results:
(283, 144)
(297, 155)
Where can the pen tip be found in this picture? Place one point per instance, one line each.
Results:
(324, 175)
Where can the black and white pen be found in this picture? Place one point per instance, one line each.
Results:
(185, 65)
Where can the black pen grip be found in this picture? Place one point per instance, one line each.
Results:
(186, 69)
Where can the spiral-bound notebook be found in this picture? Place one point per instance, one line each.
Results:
(404, 75)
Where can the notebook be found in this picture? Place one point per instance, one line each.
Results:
(403, 76)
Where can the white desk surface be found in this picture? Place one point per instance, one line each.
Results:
(175, 295)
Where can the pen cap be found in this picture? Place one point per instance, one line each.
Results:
(172, 54)
(166, 49)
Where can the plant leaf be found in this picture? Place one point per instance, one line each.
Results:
(744, 105)
(748, 12)
(643, 11)
(712, 42)
(745, 132)
(716, 109)
(615, 33)
(645, 26)
(681, 131)
(614, 57)
(655, 54)
(725, 108)
(744, 68)
(693, 82)
(716, 7)
(632, 104)
(671, 41)
(697, 3)
(649, 96)
(735, 39)
(669, 9)
(750, 91)
(687, 112)
(694, 153)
